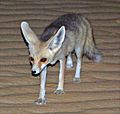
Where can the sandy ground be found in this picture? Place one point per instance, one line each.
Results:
(99, 90)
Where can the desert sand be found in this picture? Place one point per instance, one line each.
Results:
(99, 90)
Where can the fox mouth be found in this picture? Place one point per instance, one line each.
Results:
(35, 74)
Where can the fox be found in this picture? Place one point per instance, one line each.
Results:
(69, 33)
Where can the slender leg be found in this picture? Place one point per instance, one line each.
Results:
(60, 89)
(69, 63)
(78, 67)
(41, 99)
(78, 71)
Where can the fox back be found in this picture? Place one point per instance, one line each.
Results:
(78, 36)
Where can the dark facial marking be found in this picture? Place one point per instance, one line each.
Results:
(31, 59)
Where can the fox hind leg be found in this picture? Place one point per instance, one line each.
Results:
(69, 63)
(78, 66)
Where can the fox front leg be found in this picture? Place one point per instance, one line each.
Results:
(60, 89)
(41, 99)
(69, 63)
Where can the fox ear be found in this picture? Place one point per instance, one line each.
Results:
(56, 42)
(28, 34)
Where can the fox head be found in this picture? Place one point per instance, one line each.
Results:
(41, 53)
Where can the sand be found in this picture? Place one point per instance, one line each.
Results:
(99, 90)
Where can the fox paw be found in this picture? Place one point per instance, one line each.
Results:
(69, 65)
(76, 80)
(40, 101)
(59, 91)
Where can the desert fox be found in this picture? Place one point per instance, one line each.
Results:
(68, 33)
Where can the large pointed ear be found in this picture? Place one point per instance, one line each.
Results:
(56, 42)
(28, 34)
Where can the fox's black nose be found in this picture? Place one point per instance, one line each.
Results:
(35, 74)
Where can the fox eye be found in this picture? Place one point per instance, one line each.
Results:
(31, 59)
(43, 60)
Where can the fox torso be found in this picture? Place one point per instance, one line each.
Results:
(77, 28)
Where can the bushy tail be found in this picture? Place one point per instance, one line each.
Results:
(90, 49)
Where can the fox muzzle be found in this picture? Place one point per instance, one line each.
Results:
(36, 71)
(35, 74)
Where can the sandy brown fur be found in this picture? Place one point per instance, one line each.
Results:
(78, 34)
